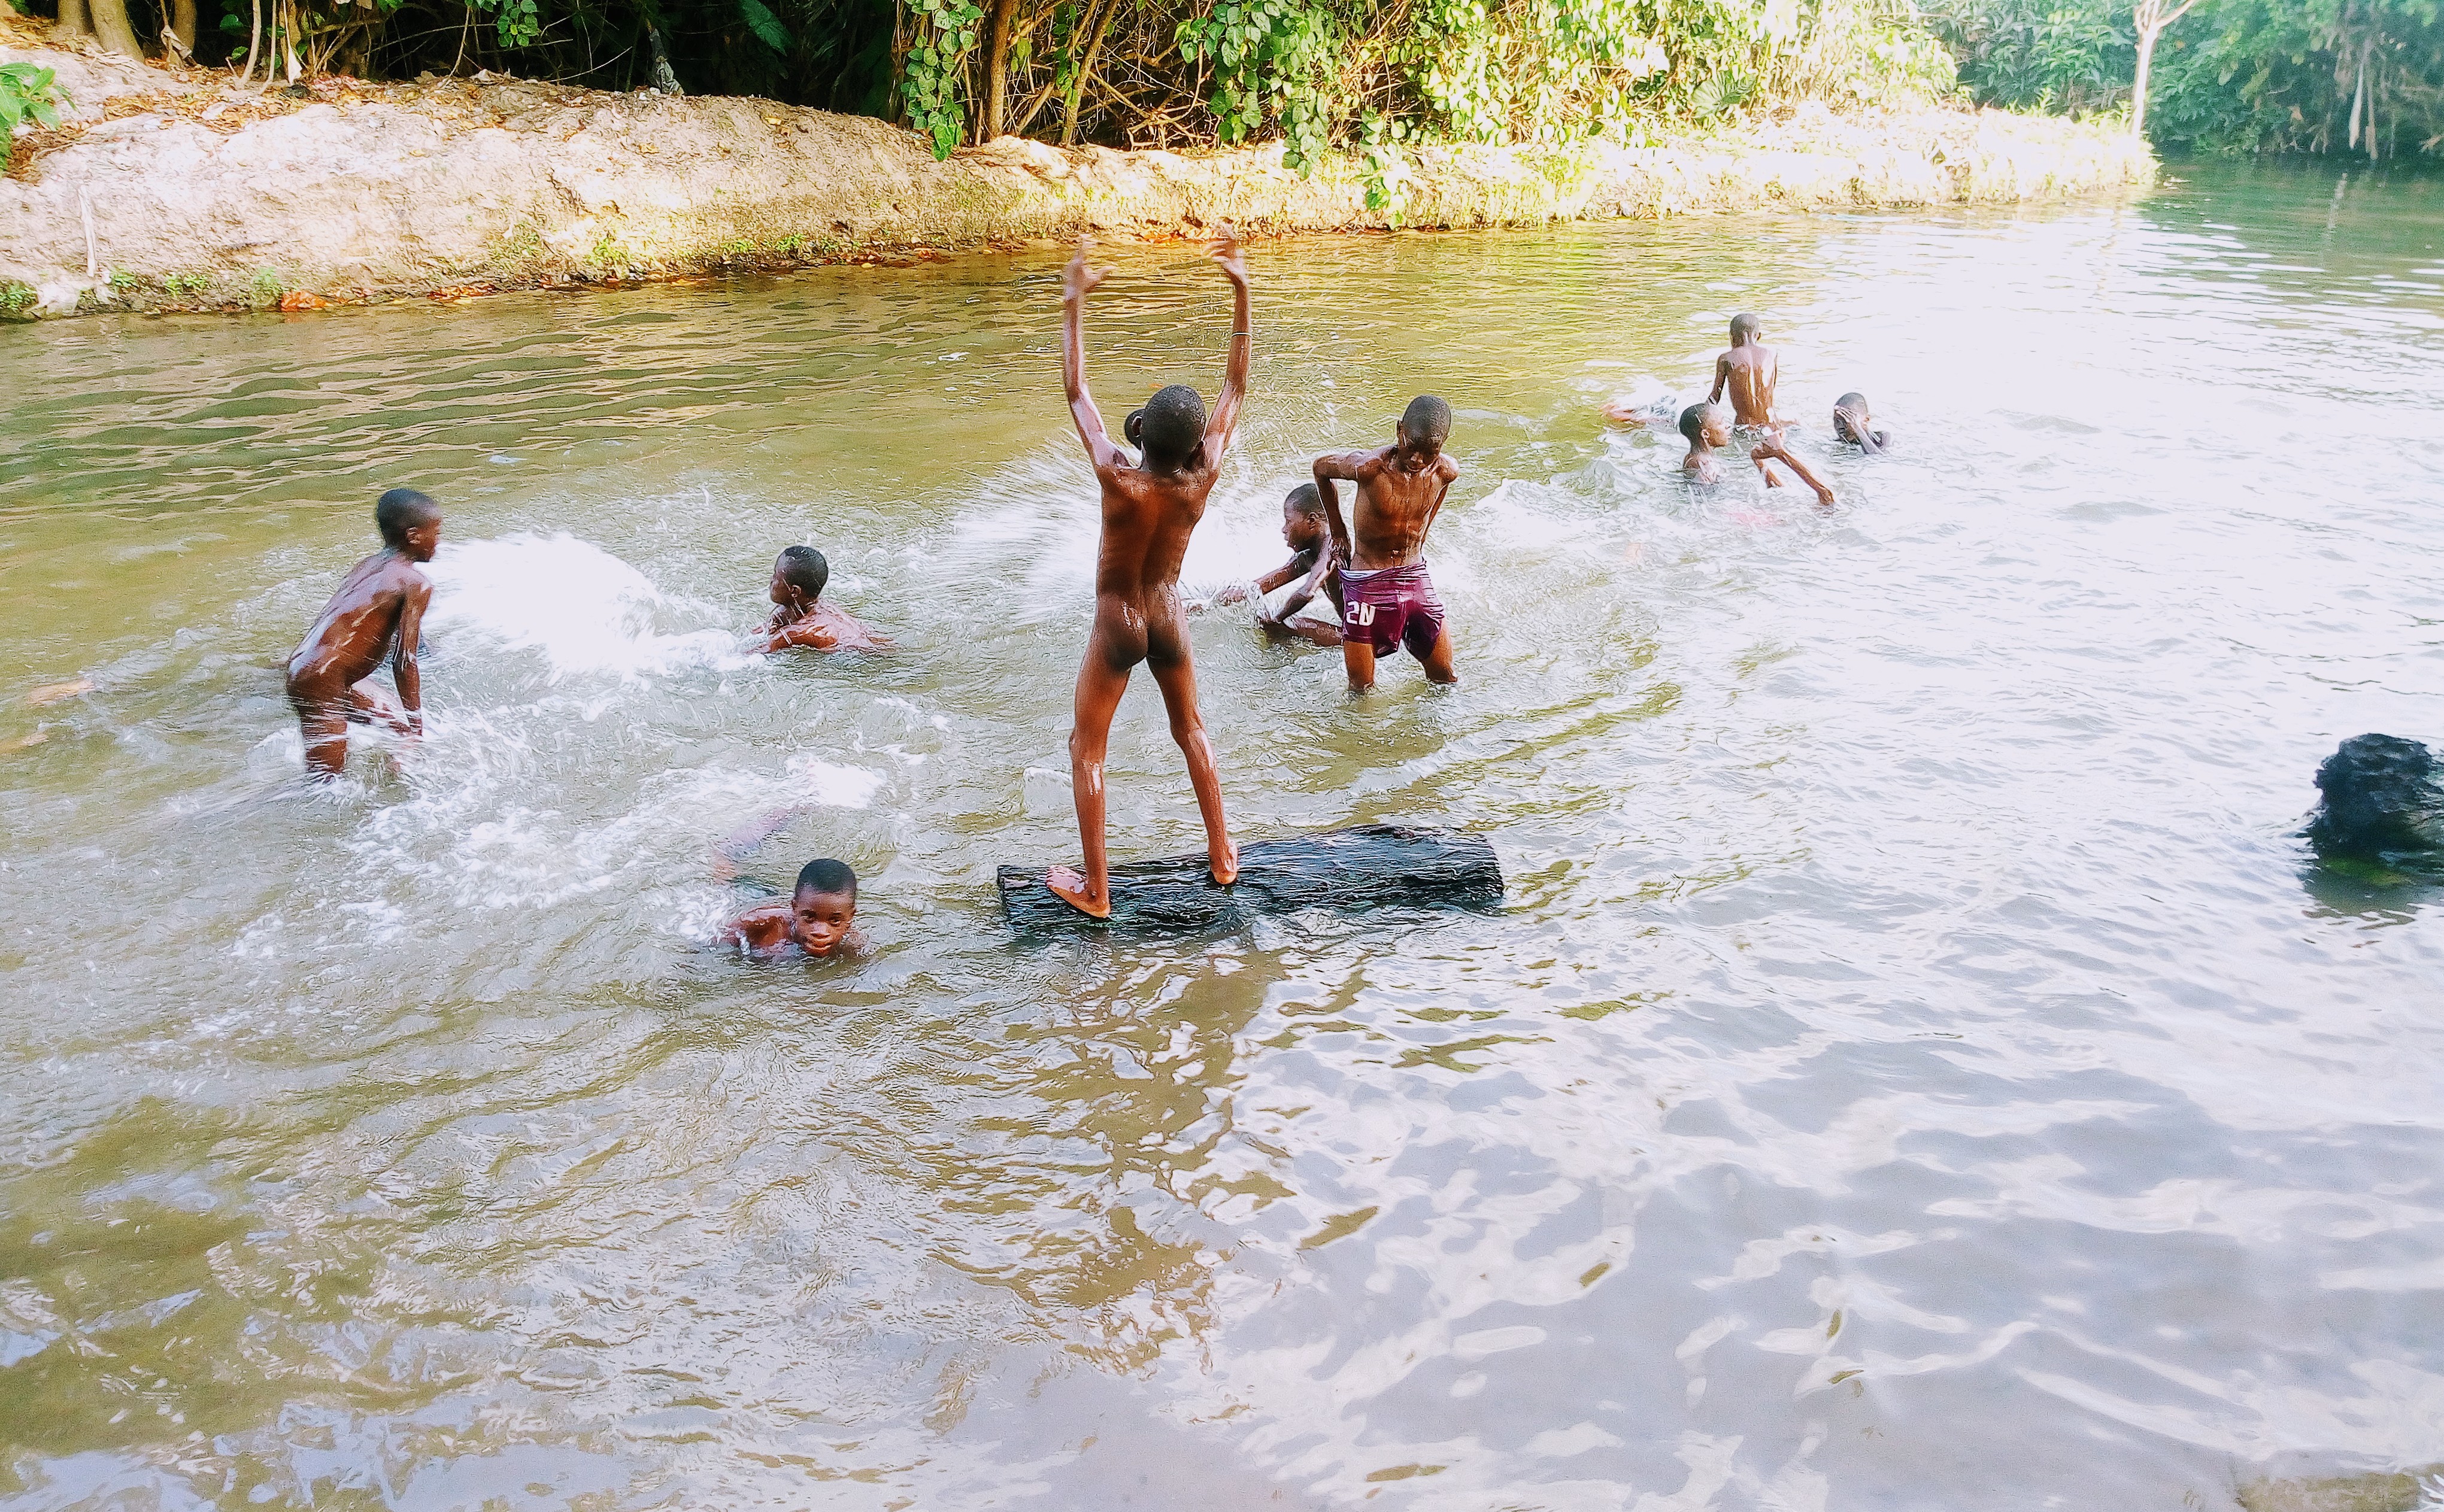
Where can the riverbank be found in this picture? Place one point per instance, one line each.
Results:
(173, 190)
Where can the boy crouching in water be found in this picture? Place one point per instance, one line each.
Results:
(1311, 567)
(819, 920)
(377, 615)
(799, 619)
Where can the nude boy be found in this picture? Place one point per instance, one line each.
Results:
(1149, 510)
(799, 619)
(378, 613)
(819, 918)
(1387, 598)
(1748, 370)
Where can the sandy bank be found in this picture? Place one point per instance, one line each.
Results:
(174, 191)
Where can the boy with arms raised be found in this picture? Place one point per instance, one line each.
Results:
(799, 619)
(378, 615)
(1149, 510)
(1387, 599)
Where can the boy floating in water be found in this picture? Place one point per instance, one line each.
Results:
(1387, 601)
(1748, 370)
(1310, 566)
(1149, 511)
(819, 920)
(1851, 423)
(799, 619)
(378, 613)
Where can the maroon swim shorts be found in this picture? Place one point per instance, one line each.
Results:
(1391, 607)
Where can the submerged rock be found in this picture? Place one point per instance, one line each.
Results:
(2380, 802)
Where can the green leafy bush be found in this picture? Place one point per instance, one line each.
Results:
(26, 93)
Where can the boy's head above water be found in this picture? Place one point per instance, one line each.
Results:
(1302, 523)
(1169, 428)
(1425, 424)
(1746, 330)
(824, 908)
(1853, 423)
(798, 576)
(410, 524)
(1706, 424)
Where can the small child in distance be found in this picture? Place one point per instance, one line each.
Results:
(799, 616)
(376, 616)
(1851, 423)
(817, 921)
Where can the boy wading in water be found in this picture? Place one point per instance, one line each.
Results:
(377, 614)
(1748, 370)
(1148, 511)
(799, 616)
(1387, 601)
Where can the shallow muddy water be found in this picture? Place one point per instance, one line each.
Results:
(1916, 1066)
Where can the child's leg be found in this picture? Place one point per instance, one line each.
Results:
(324, 724)
(1102, 679)
(1175, 675)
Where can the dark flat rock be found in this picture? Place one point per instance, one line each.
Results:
(1364, 866)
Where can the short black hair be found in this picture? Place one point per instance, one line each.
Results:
(1171, 426)
(1862, 433)
(804, 568)
(400, 509)
(1427, 419)
(1693, 423)
(1748, 325)
(1304, 500)
(826, 875)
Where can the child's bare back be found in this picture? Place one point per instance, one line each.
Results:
(1747, 373)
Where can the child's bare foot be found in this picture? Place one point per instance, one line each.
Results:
(1070, 888)
(1224, 864)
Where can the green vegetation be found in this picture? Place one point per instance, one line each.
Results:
(26, 93)
(264, 289)
(16, 300)
(2316, 76)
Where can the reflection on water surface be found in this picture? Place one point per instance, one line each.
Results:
(1911, 1071)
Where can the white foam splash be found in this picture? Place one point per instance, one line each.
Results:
(583, 609)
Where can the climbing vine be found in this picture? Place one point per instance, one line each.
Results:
(932, 69)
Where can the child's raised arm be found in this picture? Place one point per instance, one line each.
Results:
(1077, 281)
(1243, 343)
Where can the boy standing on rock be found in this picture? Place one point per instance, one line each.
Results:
(1149, 511)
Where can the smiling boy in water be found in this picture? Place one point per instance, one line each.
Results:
(1748, 370)
(819, 920)
(1310, 566)
(1149, 511)
(377, 614)
(799, 619)
(1387, 599)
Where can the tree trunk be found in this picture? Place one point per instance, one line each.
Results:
(75, 19)
(1365, 866)
(2139, 85)
(997, 43)
(110, 25)
(182, 25)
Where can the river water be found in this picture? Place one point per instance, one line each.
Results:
(1916, 1066)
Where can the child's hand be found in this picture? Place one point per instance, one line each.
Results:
(1079, 280)
(1226, 252)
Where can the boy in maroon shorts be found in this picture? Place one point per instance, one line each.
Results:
(1387, 598)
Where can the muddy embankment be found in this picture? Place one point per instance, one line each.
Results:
(174, 190)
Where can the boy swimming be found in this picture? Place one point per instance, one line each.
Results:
(378, 612)
(1704, 427)
(1851, 423)
(800, 620)
(1149, 511)
(1311, 568)
(1748, 370)
(1387, 599)
(819, 920)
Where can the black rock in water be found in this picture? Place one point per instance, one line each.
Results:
(1361, 867)
(2382, 802)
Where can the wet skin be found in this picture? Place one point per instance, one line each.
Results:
(1699, 464)
(800, 621)
(1149, 511)
(1851, 423)
(1771, 450)
(378, 613)
(1401, 490)
(1747, 372)
(821, 925)
(1312, 567)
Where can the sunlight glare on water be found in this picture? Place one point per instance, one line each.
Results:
(1916, 1066)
